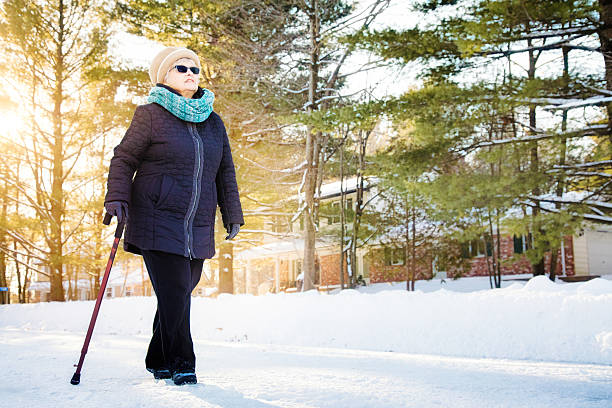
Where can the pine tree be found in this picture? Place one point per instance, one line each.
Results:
(466, 113)
(268, 60)
(61, 47)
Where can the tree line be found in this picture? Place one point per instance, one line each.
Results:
(265, 61)
(508, 129)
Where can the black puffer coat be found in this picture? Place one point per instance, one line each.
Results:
(183, 170)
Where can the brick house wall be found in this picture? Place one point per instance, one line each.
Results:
(283, 273)
(522, 265)
(381, 272)
(263, 271)
(329, 269)
(378, 271)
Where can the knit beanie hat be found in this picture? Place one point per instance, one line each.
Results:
(166, 58)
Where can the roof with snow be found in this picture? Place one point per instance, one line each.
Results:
(332, 189)
(287, 246)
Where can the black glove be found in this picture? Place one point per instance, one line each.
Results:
(118, 209)
(232, 230)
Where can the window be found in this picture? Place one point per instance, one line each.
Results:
(109, 292)
(394, 256)
(335, 218)
(349, 211)
(295, 269)
(522, 243)
(280, 223)
(476, 248)
(519, 244)
(332, 211)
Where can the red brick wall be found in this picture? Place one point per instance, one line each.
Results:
(522, 265)
(380, 272)
(330, 270)
(393, 273)
(283, 274)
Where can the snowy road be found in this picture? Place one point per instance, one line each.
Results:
(39, 364)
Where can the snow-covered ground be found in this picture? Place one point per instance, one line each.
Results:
(458, 344)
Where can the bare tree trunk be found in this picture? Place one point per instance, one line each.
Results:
(99, 234)
(498, 252)
(4, 298)
(309, 221)
(493, 257)
(75, 295)
(97, 256)
(359, 206)
(605, 39)
(26, 281)
(414, 262)
(491, 269)
(342, 216)
(17, 272)
(226, 267)
(358, 209)
(21, 287)
(562, 157)
(488, 259)
(57, 193)
(314, 140)
(407, 267)
(312, 150)
(538, 269)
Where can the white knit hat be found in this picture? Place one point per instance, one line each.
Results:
(166, 58)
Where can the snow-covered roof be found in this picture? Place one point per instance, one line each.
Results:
(293, 246)
(332, 189)
(45, 286)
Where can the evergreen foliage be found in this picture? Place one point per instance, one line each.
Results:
(500, 130)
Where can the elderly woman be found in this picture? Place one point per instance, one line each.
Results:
(172, 168)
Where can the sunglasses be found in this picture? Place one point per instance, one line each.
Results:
(182, 69)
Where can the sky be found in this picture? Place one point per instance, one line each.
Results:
(138, 51)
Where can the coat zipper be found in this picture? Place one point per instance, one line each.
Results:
(195, 195)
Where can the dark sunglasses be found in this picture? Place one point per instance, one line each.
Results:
(182, 69)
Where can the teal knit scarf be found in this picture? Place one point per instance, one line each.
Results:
(189, 110)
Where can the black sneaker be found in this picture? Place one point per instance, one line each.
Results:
(185, 377)
(160, 374)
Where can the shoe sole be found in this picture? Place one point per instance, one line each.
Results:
(160, 374)
(181, 379)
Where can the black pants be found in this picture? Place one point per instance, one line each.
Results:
(173, 278)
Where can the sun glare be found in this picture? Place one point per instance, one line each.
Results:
(10, 124)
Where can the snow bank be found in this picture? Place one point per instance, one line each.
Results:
(537, 320)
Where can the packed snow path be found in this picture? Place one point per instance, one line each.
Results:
(37, 367)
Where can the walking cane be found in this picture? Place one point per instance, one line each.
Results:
(76, 378)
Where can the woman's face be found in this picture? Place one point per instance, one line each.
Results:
(185, 83)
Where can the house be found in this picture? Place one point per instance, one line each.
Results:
(128, 277)
(276, 264)
(592, 251)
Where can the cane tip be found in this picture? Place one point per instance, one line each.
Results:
(76, 379)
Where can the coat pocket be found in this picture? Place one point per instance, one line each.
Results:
(165, 188)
